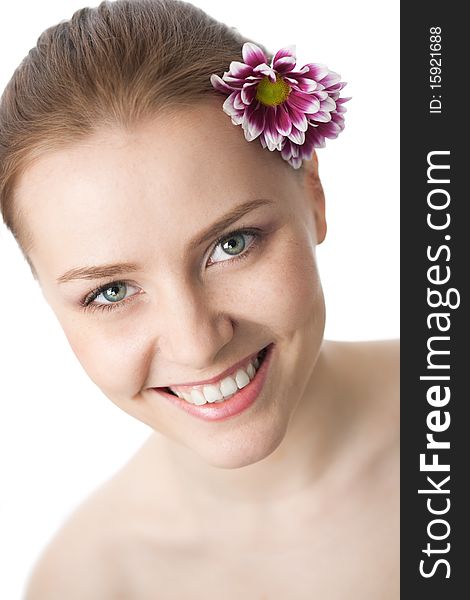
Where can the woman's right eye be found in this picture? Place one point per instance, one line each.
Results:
(114, 294)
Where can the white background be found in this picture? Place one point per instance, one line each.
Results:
(59, 436)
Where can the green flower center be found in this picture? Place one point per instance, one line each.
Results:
(272, 94)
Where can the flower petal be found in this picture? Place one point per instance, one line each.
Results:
(286, 51)
(283, 121)
(331, 79)
(220, 85)
(295, 149)
(265, 70)
(321, 117)
(302, 71)
(317, 71)
(248, 94)
(228, 106)
(295, 162)
(235, 82)
(339, 105)
(303, 102)
(307, 85)
(238, 103)
(284, 64)
(298, 137)
(271, 134)
(286, 151)
(338, 119)
(252, 54)
(298, 118)
(330, 130)
(238, 118)
(291, 80)
(321, 95)
(239, 69)
(254, 121)
(316, 139)
(328, 104)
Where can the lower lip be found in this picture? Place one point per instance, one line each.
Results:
(239, 402)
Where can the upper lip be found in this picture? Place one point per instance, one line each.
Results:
(228, 371)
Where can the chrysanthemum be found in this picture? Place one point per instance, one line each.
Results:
(290, 110)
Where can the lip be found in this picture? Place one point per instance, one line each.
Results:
(225, 373)
(239, 402)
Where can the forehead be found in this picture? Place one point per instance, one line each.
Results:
(177, 169)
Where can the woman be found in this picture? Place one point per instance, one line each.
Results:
(179, 257)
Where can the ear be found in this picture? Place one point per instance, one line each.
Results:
(316, 196)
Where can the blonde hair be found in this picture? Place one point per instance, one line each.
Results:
(112, 65)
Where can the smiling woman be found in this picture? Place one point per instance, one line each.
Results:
(180, 261)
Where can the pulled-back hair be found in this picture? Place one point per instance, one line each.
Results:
(115, 64)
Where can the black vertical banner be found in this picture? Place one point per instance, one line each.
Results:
(435, 251)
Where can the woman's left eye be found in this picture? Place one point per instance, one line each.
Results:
(233, 245)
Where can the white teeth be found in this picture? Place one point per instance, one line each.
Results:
(224, 390)
(228, 386)
(242, 378)
(212, 393)
(197, 397)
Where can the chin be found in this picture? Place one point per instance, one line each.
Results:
(233, 453)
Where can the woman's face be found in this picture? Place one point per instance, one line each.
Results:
(185, 300)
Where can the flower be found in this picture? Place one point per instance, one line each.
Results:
(289, 110)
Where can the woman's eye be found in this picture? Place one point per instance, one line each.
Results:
(114, 293)
(110, 294)
(232, 246)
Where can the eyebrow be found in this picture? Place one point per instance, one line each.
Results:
(97, 272)
(114, 269)
(234, 215)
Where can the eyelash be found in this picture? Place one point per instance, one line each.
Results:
(88, 304)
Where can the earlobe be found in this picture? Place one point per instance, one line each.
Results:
(317, 198)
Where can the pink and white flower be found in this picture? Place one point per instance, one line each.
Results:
(289, 110)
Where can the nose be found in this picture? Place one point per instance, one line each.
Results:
(193, 329)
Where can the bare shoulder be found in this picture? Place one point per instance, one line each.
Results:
(380, 366)
(78, 562)
(118, 528)
(370, 372)
(376, 362)
(374, 351)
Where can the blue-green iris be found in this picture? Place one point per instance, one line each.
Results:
(234, 244)
(116, 296)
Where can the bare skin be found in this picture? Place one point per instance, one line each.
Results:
(146, 534)
(294, 497)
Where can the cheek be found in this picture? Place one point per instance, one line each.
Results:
(111, 353)
(284, 288)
